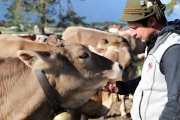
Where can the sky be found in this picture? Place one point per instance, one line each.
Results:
(99, 10)
(176, 12)
(110, 10)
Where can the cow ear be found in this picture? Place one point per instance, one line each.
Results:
(96, 50)
(36, 60)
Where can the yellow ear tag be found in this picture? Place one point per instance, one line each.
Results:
(32, 61)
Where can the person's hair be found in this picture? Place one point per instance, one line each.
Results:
(144, 21)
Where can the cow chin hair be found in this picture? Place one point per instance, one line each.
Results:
(90, 74)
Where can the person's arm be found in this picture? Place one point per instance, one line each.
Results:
(170, 67)
(128, 87)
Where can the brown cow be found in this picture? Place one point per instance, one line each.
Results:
(103, 100)
(9, 44)
(26, 36)
(120, 52)
(74, 72)
(108, 50)
(33, 37)
(105, 97)
(91, 36)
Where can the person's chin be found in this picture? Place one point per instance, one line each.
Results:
(143, 40)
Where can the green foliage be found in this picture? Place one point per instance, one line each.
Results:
(19, 12)
(170, 7)
(70, 18)
(7, 24)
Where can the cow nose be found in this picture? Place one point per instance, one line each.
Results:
(120, 66)
(116, 71)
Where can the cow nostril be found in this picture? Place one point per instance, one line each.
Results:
(120, 66)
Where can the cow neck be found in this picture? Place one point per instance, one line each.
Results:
(48, 91)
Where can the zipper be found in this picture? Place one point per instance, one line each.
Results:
(140, 106)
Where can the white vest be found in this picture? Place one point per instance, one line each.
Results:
(151, 94)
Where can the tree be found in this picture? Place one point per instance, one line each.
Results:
(23, 11)
(15, 8)
(170, 6)
(69, 17)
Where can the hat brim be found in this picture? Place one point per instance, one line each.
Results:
(132, 17)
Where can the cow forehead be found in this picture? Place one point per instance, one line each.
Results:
(74, 46)
(118, 44)
(75, 49)
(119, 52)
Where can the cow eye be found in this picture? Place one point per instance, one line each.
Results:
(84, 55)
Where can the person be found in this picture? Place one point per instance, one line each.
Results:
(157, 90)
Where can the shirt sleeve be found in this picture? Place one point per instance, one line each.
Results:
(128, 87)
(170, 67)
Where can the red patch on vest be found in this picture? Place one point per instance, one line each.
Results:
(150, 65)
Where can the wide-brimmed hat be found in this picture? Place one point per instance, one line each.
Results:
(140, 9)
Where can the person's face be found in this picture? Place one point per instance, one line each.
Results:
(139, 31)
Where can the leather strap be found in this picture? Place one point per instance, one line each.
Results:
(49, 93)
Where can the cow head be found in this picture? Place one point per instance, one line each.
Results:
(74, 70)
(120, 52)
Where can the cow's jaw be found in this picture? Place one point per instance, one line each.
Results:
(77, 99)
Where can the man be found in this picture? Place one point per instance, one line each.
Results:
(157, 91)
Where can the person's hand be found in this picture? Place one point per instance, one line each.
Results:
(110, 87)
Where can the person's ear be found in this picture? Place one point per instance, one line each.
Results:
(152, 21)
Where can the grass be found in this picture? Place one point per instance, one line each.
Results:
(6, 30)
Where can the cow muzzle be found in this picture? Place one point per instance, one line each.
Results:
(117, 71)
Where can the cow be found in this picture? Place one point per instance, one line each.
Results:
(91, 36)
(74, 72)
(27, 36)
(33, 37)
(105, 99)
(114, 51)
(9, 44)
(105, 49)
(102, 101)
